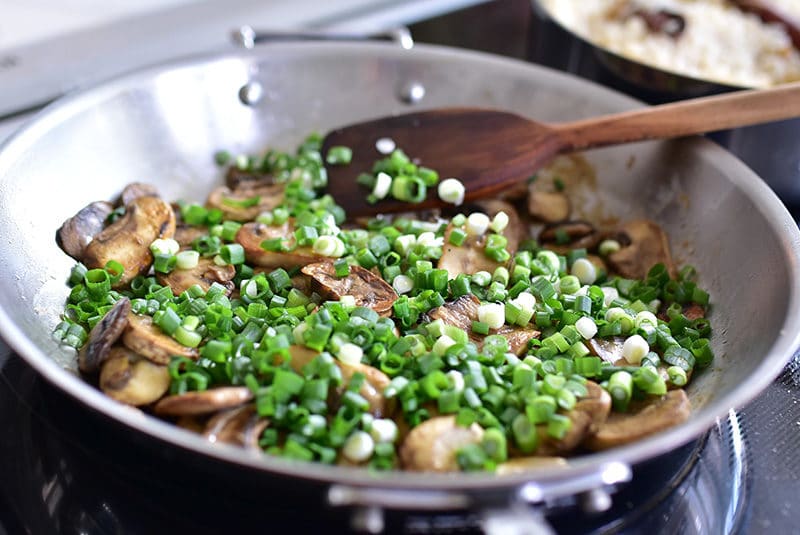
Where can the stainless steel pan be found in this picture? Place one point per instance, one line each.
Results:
(162, 126)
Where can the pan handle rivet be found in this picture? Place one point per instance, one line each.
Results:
(412, 92)
(251, 93)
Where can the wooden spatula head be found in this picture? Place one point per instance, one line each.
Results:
(487, 150)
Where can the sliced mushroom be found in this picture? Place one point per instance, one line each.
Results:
(470, 256)
(229, 426)
(135, 190)
(244, 204)
(205, 402)
(368, 289)
(372, 388)
(131, 379)
(461, 312)
(648, 246)
(608, 349)
(236, 178)
(251, 235)
(103, 335)
(525, 464)
(566, 232)
(586, 417)
(147, 339)
(548, 206)
(515, 231)
(128, 239)
(375, 381)
(186, 234)
(432, 445)
(204, 274)
(694, 312)
(568, 179)
(78, 231)
(655, 416)
(251, 434)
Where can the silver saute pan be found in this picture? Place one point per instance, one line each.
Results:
(163, 125)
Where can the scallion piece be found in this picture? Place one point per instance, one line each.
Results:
(339, 155)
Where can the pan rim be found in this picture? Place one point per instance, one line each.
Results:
(773, 211)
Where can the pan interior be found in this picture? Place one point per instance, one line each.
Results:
(163, 126)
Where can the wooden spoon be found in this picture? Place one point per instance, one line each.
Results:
(491, 151)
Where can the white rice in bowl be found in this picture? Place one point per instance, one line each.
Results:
(719, 42)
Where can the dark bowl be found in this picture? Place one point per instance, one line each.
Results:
(772, 150)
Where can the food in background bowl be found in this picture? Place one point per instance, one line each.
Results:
(707, 39)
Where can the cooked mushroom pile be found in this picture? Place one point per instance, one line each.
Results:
(501, 336)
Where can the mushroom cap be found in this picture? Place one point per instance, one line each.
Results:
(131, 379)
(128, 239)
(147, 339)
(650, 417)
(204, 274)
(79, 230)
(432, 445)
(229, 200)
(368, 289)
(134, 190)
(649, 245)
(462, 311)
(203, 402)
(251, 235)
(589, 413)
(103, 335)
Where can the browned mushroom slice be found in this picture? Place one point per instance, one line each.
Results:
(470, 257)
(655, 416)
(368, 289)
(251, 235)
(693, 312)
(204, 274)
(461, 312)
(372, 388)
(608, 349)
(128, 239)
(432, 445)
(375, 381)
(648, 246)
(251, 434)
(103, 335)
(78, 231)
(228, 426)
(195, 424)
(147, 339)
(245, 204)
(526, 464)
(566, 232)
(134, 190)
(236, 178)
(131, 379)
(588, 415)
(515, 231)
(186, 234)
(205, 402)
(548, 206)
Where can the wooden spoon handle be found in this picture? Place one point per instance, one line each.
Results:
(685, 118)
